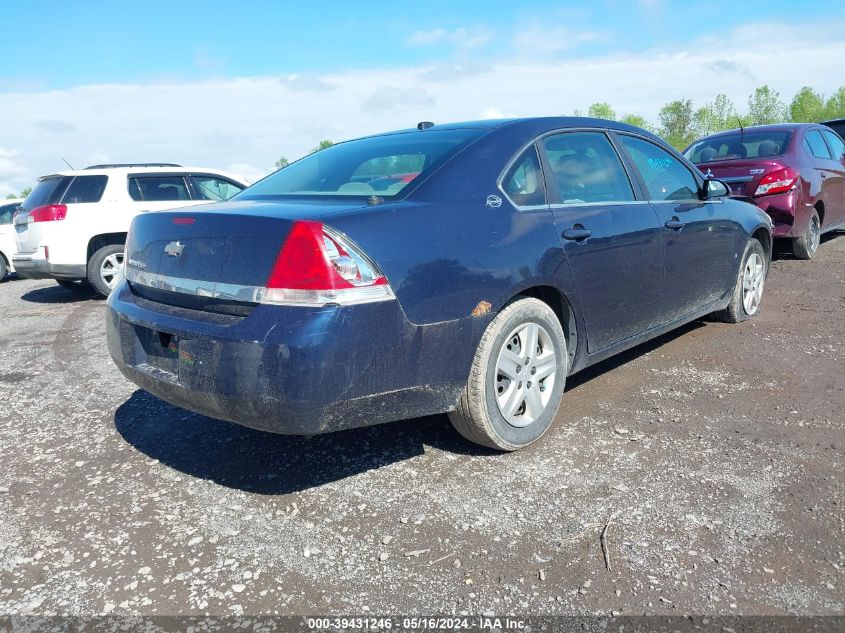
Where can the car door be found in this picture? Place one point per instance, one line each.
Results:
(611, 240)
(830, 172)
(701, 244)
(837, 166)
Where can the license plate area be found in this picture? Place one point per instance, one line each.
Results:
(161, 350)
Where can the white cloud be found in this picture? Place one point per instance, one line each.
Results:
(462, 38)
(542, 40)
(248, 123)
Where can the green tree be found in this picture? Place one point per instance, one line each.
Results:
(323, 145)
(601, 111)
(765, 106)
(282, 162)
(11, 196)
(835, 106)
(637, 121)
(807, 106)
(26, 192)
(677, 123)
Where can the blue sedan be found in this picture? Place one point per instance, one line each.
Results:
(465, 269)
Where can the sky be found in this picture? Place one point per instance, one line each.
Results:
(237, 85)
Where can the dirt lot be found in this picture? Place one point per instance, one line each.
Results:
(718, 451)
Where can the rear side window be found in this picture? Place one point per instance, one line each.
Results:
(523, 183)
(47, 191)
(666, 177)
(814, 143)
(586, 168)
(211, 188)
(837, 146)
(158, 188)
(85, 189)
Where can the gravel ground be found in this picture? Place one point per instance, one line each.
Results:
(717, 451)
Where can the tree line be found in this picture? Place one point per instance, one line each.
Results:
(680, 122)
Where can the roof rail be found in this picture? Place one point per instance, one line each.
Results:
(115, 165)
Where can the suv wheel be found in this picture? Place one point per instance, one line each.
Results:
(105, 268)
(3, 268)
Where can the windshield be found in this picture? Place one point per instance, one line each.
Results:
(739, 146)
(378, 166)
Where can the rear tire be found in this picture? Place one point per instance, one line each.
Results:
(105, 268)
(748, 291)
(4, 270)
(517, 378)
(806, 246)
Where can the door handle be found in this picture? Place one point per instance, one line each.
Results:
(577, 234)
(824, 175)
(675, 224)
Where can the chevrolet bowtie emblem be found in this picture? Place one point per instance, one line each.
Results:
(174, 249)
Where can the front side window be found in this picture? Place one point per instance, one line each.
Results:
(837, 146)
(523, 183)
(814, 143)
(586, 168)
(85, 189)
(377, 166)
(158, 188)
(216, 189)
(666, 177)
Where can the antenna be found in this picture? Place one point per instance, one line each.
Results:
(67, 163)
(741, 129)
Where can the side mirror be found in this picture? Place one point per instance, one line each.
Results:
(714, 189)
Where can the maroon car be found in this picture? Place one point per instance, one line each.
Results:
(795, 172)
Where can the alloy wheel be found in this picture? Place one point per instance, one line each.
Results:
(753, 279)
(525, 374)
(111, 269)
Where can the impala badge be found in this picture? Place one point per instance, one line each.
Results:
(174, 249)
(494, 202)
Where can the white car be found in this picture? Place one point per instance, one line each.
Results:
(7, 234)
(72, 227)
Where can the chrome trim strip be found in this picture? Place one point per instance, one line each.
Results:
(259, 294)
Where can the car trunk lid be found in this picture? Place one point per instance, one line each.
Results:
(742, 176)
(224, 251)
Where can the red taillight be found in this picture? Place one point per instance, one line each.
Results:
(317, 266)
(181, 220)
(780, 180)
(48, 213)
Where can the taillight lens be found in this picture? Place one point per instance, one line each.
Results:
(778, 181)
(48, 213)
(317, 266)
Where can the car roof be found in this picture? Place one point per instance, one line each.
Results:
(529, 125)
(833, 121)
(107, 171)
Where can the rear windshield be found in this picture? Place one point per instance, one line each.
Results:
(378, 166)
(47, 191)
(739, 146)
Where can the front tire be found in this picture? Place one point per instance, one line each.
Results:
(517, 378)
(105, 268)
(748, 291)
(806, 246)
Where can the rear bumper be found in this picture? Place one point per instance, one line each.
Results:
(789, 214)
(292, 370)
(36, 266)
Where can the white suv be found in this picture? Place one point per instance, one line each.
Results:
(73, 225)
(8, 208)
